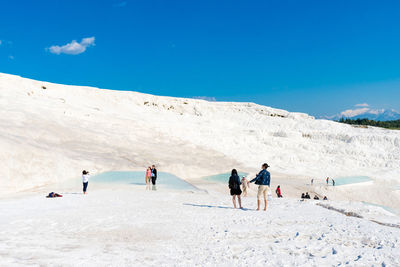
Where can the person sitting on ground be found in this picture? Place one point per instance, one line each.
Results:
(245, 185)
(316, 197)
(303, 196)
(52, 194)
(307, 196)
(263, 180)
(278, 191)
(325, 198)
(234, 186)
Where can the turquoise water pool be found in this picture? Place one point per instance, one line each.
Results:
(164, 179)
(351, 180)
(223, 177)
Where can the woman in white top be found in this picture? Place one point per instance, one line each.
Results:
(85, 180)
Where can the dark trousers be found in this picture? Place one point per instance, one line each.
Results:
(153, 180)
(85, 186)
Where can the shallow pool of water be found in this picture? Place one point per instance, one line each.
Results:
(164, 179)
(351, 180)
(223, 177)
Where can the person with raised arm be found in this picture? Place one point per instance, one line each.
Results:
(85, 180)
(263, 180)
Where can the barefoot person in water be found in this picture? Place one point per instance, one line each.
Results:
(148, 178)
(263, 180)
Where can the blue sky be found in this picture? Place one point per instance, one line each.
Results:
(319, 57)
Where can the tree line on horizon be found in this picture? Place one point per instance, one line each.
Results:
(367, 122)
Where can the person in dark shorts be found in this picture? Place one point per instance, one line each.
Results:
(153, 176)
(234, 186)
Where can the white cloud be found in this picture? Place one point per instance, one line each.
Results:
(362, 105)
(73, 48)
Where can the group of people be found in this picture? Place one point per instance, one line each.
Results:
(263, 180)
(307, 196)
(151, 176)
(327, 181)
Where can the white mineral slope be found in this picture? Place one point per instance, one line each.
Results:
(49, 135)
(134, 227)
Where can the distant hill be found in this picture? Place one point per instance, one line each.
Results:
(366, 122)
(367, 113)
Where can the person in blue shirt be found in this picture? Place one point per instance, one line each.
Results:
(263, 180)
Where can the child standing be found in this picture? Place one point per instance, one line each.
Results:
(245, 185)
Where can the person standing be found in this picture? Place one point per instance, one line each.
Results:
(153, 176)
(245, 185)
(263, 180)
(312, 181)
(327, 180)
(234, 186)
(85, 180)
(148, 177)
(333, 182)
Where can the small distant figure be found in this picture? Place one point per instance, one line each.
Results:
(307, 196)
(333, 182)
(316, 197)
(325, 198)
(327, 180)
(303, 196)
(153, 176)
(312, 181)
(263, 180)
(85, 180)
(234, 186)
(52, 194)
(278, 191)
(148, 178)
(245, 185)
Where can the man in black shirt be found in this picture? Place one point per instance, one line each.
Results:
(153, 176)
